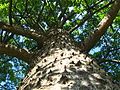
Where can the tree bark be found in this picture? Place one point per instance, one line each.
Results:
(61, 66)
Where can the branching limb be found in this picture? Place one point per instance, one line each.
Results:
(15, 52)
(88, 16)
(8, 37)
(106, 60)
(90, 42)
(20, 31)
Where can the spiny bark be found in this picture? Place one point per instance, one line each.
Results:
(61, 66)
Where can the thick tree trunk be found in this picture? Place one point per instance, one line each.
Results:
(60, 66)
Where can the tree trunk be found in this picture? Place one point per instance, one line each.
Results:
(60, 65)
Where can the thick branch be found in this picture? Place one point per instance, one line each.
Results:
(90, 42)
(15, 52)
(20, 31)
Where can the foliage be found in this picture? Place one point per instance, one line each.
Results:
(11, 72)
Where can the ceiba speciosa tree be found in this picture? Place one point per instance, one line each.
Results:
(61, 63)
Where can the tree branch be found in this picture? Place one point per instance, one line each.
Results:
(106, 60)
(90, 42)
(20, 31)
(94, 5)
(15, 52)
(8, 37)
(10, 12)
(86, 17)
